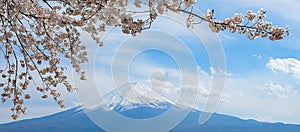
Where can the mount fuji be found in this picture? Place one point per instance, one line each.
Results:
(137, 101)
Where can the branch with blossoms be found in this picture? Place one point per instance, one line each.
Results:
(255, 25)
(36, 36)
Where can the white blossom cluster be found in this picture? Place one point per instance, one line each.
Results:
(37, 35)
(254, 27)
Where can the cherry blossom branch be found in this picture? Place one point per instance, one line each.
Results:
(46, 33)
(260, 28)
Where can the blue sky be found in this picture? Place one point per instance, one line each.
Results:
(262, 75)
(262, 89)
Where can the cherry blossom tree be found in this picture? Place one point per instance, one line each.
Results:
(36, 35)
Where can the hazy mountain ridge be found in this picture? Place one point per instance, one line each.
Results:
(129, 102)
(76, 120)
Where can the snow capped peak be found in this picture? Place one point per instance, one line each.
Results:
(133, 95)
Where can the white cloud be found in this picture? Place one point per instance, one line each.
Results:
(279, 90)
(220, 72)
(258, 56)
(274, 99)
(289, 66)
(263, 117)
(241, 98)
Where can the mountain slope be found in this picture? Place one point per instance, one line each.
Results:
(70, 120)
(76, 120)
(224, 123)
(131, 102)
